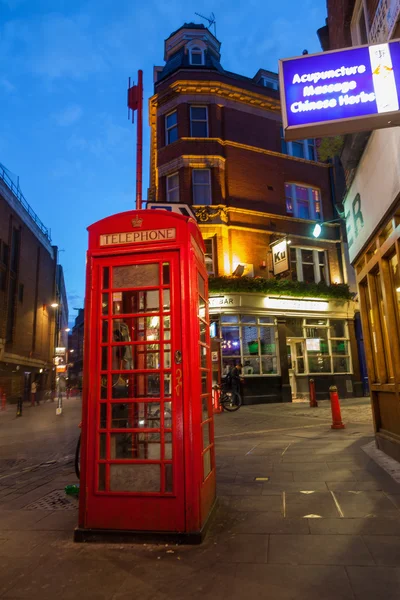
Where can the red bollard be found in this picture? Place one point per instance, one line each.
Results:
(217, 408)
(313, 398)
(337, 422)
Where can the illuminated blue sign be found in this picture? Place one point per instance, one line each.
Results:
(341, 92)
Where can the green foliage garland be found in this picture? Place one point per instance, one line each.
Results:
(280, 287)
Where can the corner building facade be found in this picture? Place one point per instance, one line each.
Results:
(216, 145)
(372, 207)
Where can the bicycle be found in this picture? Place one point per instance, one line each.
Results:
(229, 399)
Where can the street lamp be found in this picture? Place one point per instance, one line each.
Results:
(318, 227)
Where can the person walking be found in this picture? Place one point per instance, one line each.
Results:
(34, 399)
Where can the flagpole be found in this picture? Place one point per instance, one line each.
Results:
(139, 142)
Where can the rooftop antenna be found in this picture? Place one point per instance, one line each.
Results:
(211, 21)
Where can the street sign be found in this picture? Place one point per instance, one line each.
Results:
(280, 257)
(343, 91)
(182, 209)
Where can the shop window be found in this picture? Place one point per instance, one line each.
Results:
(201, 179)
(252, 342)
(309, 265)
(211, 256)
(384, 324)
(173, 188)
(300, 148)
(198, 121)
(303, 202)
(171, 128)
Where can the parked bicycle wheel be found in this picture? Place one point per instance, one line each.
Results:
(230, 401)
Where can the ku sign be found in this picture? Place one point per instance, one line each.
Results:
(280, 258)
(341, 92)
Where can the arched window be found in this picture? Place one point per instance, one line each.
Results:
(196, 56)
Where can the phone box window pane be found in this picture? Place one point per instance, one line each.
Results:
(167, 328)
(102, 445)
(102, 477)
(135, 446)
(168, 446)
(121, 358)
(167, 385)
(135, 415)
(136, 302)
(204, 383)
(104, 358)
(104, 304)
(139, 385)
(166, 299)
(135, 478)
(202, 290)
(206, 435)
(167, 356)
(104, 329)
(168, 478)
(204, 404)
(167, 415)
(103, 415)
(166, 274)
(207, 463)
(203, 332)
(103, 387)
(134, 276)
(106, 278)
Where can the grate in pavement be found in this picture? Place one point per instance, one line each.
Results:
(56, 500)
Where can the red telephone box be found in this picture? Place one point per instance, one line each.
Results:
(147, 455)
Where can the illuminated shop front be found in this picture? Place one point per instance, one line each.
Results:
(283, 342)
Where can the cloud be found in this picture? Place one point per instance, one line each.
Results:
(7, 85)
(68, 116)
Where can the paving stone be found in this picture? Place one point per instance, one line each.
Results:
(384, 549)
(296, 486)
(18, 520)
(261, 522)
(318, 550)
(257, 503)
(372, 583)
(239, 490)
(360, 486)
(345, 526)
(329, 475)
(366, 504)
(395, 498)
(320, 504)
(291, 583)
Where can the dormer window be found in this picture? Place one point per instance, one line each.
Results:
(196, 56)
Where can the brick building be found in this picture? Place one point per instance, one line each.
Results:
(27, 290)
(371, 164)
(216, 144)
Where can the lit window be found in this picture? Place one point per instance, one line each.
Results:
(299, 148)
(201, 186)
(173, 188)
(303, 202)
(171, 128)
(210, 256)
(309, 265)
(270, 82)
(198, 121)
(196, 56)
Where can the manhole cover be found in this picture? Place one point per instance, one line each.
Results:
(56, 500)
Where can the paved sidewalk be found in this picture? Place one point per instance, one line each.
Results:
(325, 525)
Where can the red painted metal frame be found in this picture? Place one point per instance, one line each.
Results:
(187, 509)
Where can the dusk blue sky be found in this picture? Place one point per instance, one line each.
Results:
(63, 79)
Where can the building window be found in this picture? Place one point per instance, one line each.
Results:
(303, 202)
(309, 265)
(211, 256)
(3, 253)
(173, 188)
(251, 341)
(320, 346)
(300, 148)
(201, 186)
(171, 128)
(198, 121)
(196, 56)
(270, 82)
